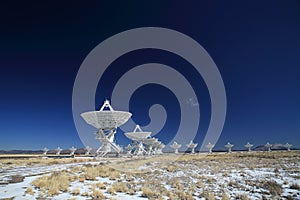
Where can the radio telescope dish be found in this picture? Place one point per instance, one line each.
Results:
(288, 146)
(58, 150)
(210, 146)
(73, 149)
(175, 146)
(138, 134)
(150, 141)
(106, 120)
(159, 147)
(249, 146)
(128, 149)
(229, 147)
(140, 138)
(45, 151)
(192, 146)
(88, 150)
(268, 146)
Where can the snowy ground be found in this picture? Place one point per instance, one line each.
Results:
(239, 175)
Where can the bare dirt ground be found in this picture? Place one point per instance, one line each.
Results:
(238, 175)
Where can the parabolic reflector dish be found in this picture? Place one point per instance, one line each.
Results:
(150, 141)
(138, 135)
(106, 119)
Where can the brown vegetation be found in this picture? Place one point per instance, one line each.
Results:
(58, 181)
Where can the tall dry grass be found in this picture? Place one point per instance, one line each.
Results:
(53, 184)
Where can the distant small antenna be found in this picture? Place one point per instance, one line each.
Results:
(210, 146)
(159, 148)
(45, 151)
(141, 138)
(175, 146)
(288, 146)
(128, 150)
(73, 149)
(268, 146)
(58, 150)
(249, 146)
(87, 150)
(192, 146)
(140, 149)
(229, 147)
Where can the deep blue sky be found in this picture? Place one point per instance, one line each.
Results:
(255, 44)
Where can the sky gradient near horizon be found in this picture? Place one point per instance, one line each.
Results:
(255, 45)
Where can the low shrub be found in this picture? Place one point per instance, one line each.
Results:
(97, 195)
(16, 179)
(274, 188)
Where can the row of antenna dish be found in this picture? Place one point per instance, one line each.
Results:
(107, 120)
(72, 150)
(228, 146)
(151, 146)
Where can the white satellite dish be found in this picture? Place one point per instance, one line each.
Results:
(288, 146)
(87, 150)
(106, 121)
(73, 149)
(58, 150)
(229, 146)
(249, 146)
(45, 151)
(175, 146)
(192, 145)
(268, 146)
(210, 146)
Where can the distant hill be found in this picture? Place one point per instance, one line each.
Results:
(20, 152)
(274, 147)
(52, 151)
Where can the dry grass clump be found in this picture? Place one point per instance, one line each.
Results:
(75, 191)
(176, 184)
(295, 186)
(171, 168)
(30, 191)
(183, 195)
(129, 177)
(104, 171)
(100, 185)
(58, 181)
(225, 196)
(242, 197)
(149, 193)
(114, 175)
(37, 160)
(208, 195)
(274, 188)
(111, 190)
(120, 187)
(93, 172)
(199, 184)
(178, 190)
(85, 194)
(131, 191)
(97, 195)
(81, 178)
